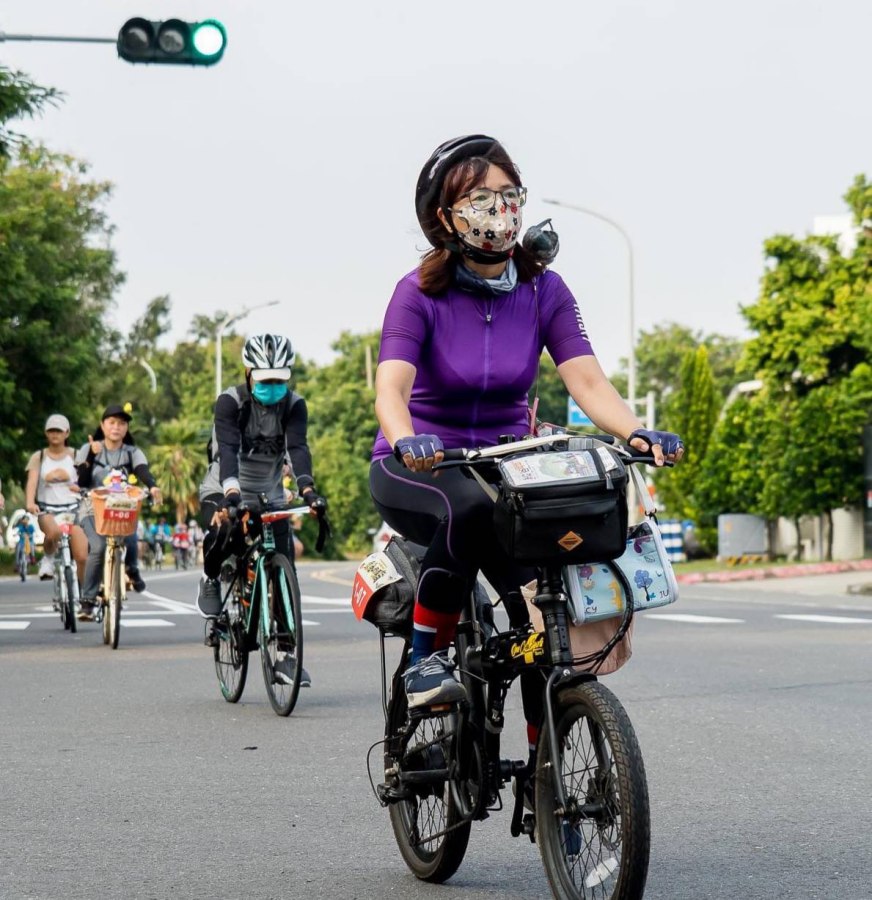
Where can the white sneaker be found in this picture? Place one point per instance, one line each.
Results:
(46, 568)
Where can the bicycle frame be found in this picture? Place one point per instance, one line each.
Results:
(115, 550)
(489, 664)
(261, 550)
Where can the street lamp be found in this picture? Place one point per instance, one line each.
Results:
(229, 319)
(631, 375)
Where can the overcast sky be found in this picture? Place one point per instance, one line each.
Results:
(287, 171)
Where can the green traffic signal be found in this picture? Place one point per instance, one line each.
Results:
(172, 41)
(209, 39)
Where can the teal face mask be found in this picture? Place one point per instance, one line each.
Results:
(268, 394)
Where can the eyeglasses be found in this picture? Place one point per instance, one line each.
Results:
(482, 199)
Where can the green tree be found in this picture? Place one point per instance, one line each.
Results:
(342, 427)
(58, 275)
(553, 397)
(19, 98)
(178, 464)
(695, 412)
(794, 448)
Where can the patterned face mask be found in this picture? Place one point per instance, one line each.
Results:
(493, 230)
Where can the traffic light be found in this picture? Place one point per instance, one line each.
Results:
(172, 41)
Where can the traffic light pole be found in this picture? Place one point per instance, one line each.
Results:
(62, 38)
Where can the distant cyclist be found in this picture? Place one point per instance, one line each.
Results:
(257, 423)
(51, 490)
(110, 447)
(25, 542)
(181, 545)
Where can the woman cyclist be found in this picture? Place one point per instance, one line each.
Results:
(110, 447)
(460, 349)
(52, 489)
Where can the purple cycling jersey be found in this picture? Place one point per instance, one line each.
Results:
(476, 357)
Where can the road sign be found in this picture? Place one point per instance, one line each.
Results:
(575, 415)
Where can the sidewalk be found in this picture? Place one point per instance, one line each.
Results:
(855, 571)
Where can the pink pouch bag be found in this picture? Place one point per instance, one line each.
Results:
(588, 638)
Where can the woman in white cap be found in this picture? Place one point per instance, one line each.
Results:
(52, 489)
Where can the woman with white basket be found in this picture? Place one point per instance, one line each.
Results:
(111, 449)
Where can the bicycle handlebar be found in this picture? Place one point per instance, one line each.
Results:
(279, 509)
(458, 456)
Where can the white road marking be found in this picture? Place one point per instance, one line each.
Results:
(13, 626)
(328, 601)
(167, 603)
(308, 622)
(693, 620)
(145, 623)
(829, 620)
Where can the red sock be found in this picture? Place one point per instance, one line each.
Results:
(432, 631)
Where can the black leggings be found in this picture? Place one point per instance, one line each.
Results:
(453, 517)
(217, 546)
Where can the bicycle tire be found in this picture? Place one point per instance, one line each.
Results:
(231, 658)
(429, 813)
(68, 601)
(21, 562)
(601, 849)
(112, 602)
(285, 635)
(60, 593)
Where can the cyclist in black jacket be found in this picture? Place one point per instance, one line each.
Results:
(258, 424)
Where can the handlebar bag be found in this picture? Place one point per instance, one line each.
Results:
(563, 507)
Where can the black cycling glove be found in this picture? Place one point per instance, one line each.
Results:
(671, 443)
(316, 502)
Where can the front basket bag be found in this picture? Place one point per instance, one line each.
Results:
(567, 507)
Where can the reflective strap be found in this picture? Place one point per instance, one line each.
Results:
(642, 491)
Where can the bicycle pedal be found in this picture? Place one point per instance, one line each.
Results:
(528, 826)
(389, 793)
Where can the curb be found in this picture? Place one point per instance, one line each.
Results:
(794, 571)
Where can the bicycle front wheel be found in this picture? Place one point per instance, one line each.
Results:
(598, 845)
(68, 598)
(281, 647)
(113, 588)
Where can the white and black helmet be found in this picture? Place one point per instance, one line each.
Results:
(269, 356)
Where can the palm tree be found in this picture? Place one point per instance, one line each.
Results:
(178, 463)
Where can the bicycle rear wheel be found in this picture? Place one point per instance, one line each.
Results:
(231, 657)
(428, 827)
(598, 846)
(282, 645)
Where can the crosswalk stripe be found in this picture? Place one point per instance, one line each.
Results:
(694, 620)
(13, 626)
(146, 623)
(827, 620)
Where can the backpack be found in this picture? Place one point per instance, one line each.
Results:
(242, 396)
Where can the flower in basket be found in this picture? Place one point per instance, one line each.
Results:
(132, 479)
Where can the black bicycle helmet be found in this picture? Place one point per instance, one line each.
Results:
(432, 177)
